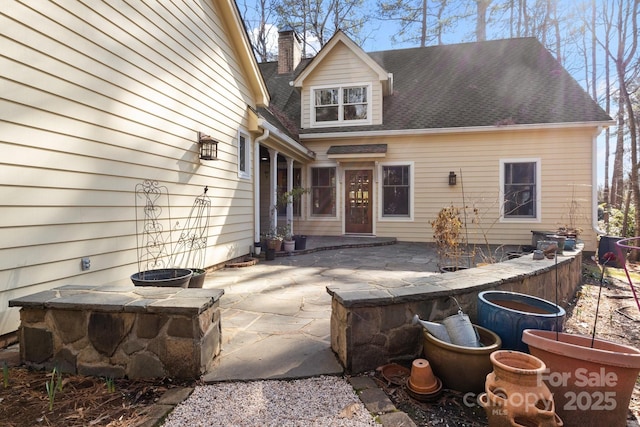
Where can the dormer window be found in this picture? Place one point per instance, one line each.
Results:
(348, 105)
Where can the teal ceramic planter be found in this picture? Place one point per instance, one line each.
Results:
(509, 313)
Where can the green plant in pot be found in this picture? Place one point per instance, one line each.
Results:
(291, 197)
(287, 237)
(274, 239)
(447, 233)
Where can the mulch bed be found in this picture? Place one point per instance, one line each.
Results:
(83, 401)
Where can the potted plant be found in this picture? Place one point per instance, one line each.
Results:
(289, 243)
(274, 240)
(572, 217)
(447, 233)
(291, 197)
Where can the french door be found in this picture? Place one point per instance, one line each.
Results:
(358, 201)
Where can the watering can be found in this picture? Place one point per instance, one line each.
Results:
(438, 330)
(456, 329)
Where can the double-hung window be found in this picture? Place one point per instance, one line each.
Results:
(396, 191)
(323, 191)
(244, 155)
(342, 105)
(520, 188)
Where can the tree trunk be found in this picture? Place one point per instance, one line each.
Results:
(617, 180)
(607, 140)
(621, 66)
(423, 33)
(481, 20)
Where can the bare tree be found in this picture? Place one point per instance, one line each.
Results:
(626, 63)
(418, 22)
(607, 32)
(627, 39)
(316, 21)
(257, 24)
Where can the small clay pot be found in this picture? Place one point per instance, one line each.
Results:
(422, 379)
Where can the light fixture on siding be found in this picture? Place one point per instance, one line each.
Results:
(208, 147)
(452, 178)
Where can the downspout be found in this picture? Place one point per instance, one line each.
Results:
(256, 184)
(594, 183)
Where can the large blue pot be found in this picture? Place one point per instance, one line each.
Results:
(509, 313)
(608, 244)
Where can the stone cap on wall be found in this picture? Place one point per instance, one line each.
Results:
(139, 299)
(489, 276)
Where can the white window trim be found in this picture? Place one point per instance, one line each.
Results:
(538, 163)
(311, 216)
(340, 121)
(412, 189)
(247, 152)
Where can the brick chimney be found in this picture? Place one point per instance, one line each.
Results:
(289, 51)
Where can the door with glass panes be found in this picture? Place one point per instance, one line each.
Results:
(358, 201)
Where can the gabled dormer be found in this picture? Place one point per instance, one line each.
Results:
(342, 86)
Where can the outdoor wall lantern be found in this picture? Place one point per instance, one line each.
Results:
(208, 147)
(452, 178)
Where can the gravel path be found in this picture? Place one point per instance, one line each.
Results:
(321, 401)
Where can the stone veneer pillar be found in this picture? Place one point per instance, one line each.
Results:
(137, 332)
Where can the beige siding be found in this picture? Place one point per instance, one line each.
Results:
(96, 98)
(341, 66)
(475, 158)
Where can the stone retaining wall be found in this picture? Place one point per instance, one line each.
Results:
(371, 325)
(137, 332)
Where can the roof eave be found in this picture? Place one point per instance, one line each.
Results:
(231, 16)
(383, 75)
(442, 131)
(294, 147)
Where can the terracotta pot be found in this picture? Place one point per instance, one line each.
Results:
(461, 368)
(592, 386)
(422, 379)
(275, 244)
(560, 241)
(515, 393)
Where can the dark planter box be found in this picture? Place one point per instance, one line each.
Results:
(301, 242)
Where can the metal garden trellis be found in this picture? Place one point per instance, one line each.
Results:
(151, 241)
(191, 247)
(151, 244)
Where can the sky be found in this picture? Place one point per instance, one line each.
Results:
(379, 36)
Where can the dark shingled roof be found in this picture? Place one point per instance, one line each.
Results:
(498, 82)
(358, 149)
